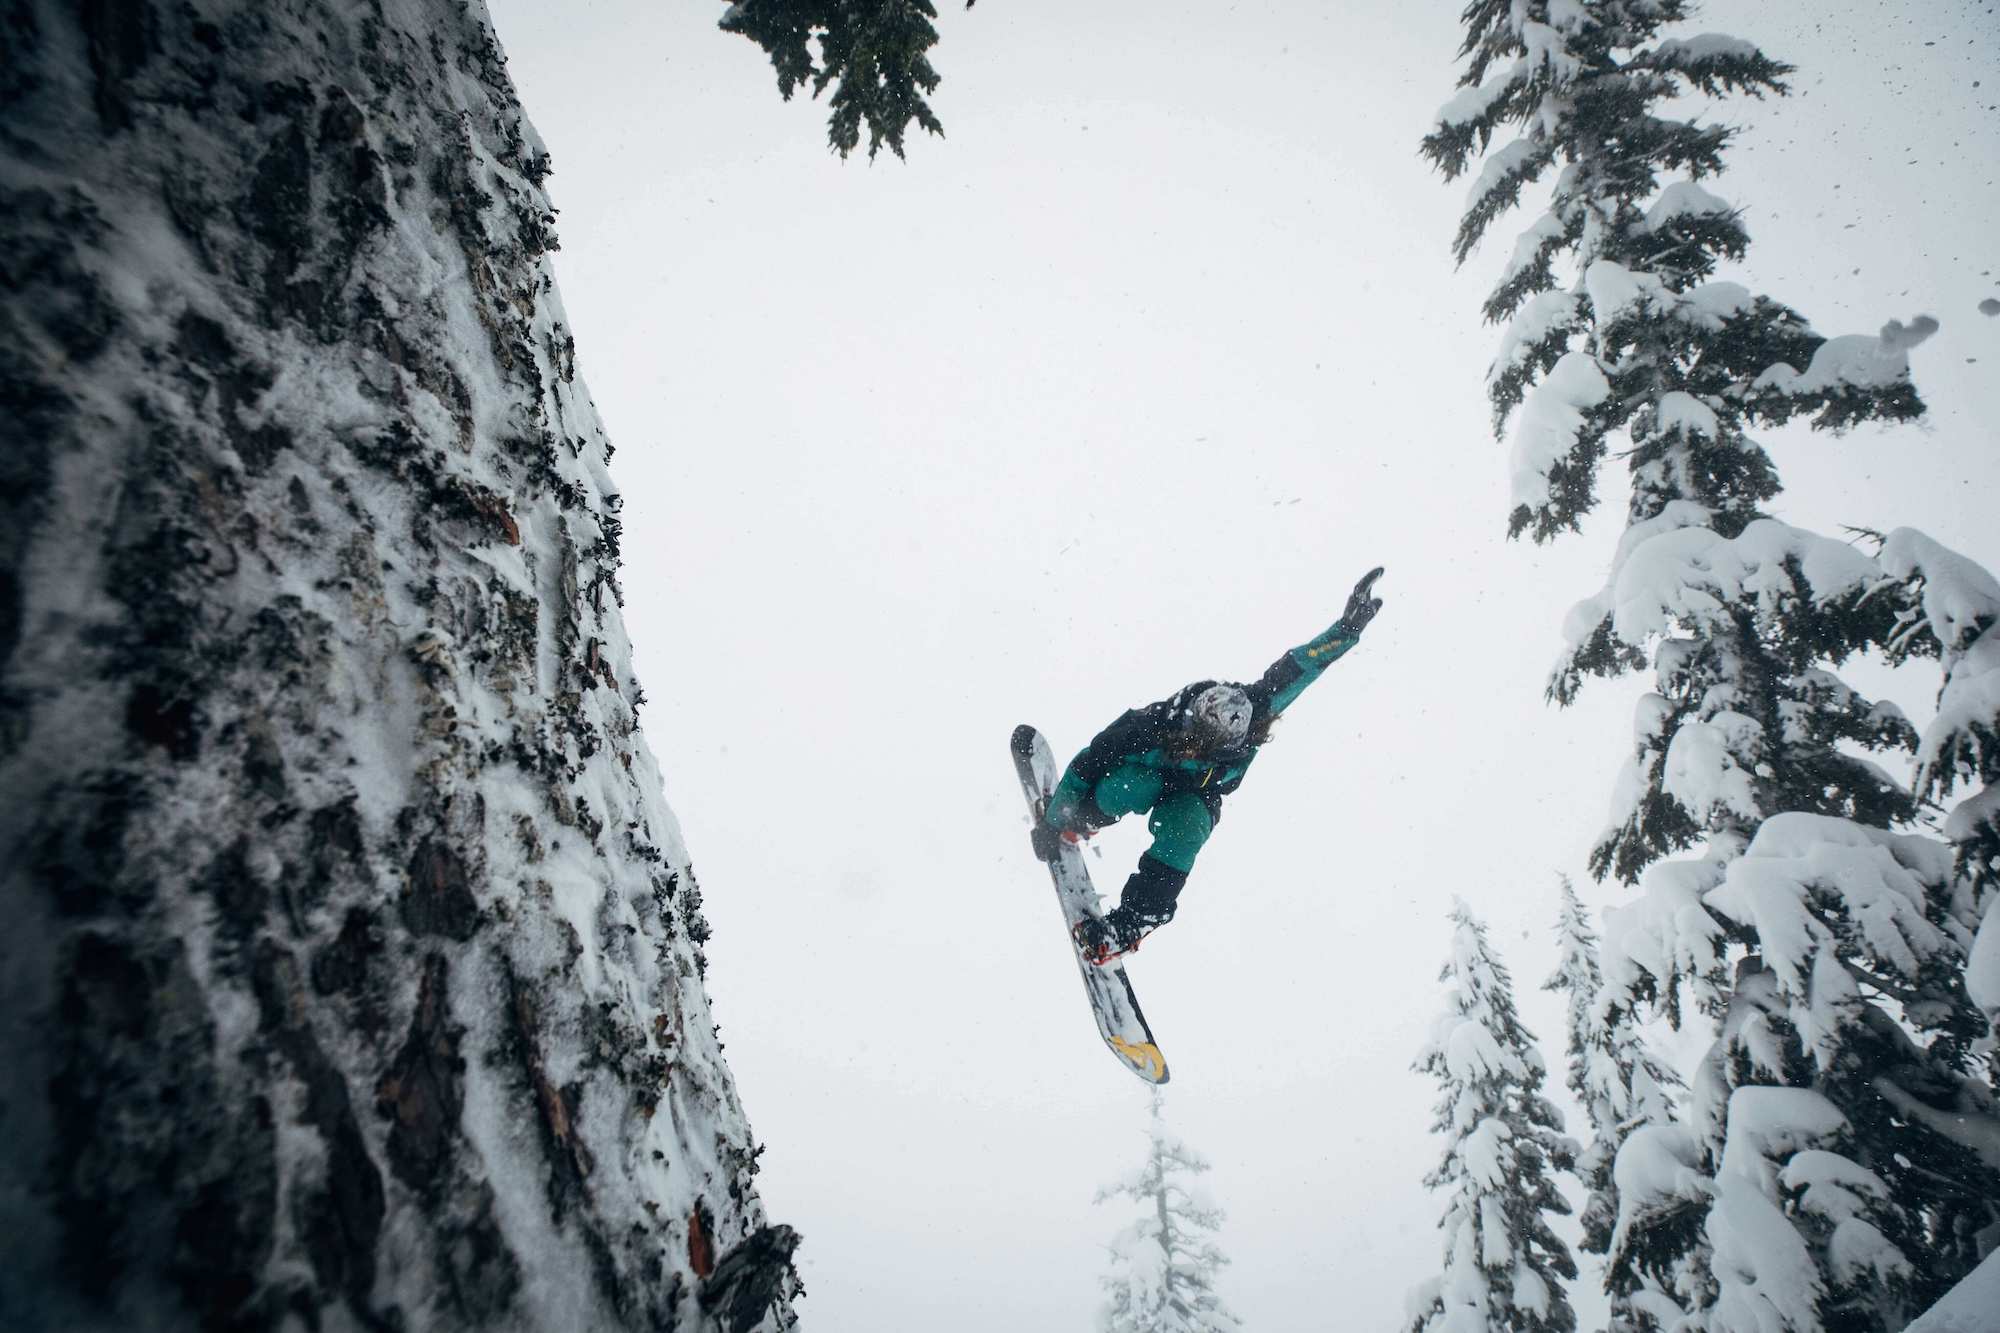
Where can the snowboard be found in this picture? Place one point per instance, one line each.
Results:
(1111, 1000)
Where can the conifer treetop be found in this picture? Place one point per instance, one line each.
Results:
(1165, 1263)
(1634, 332)
(1504, 1266)
(1625, 1090)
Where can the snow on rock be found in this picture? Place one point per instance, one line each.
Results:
(1549, 422)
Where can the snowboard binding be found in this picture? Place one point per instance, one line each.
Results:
(1099, 939)
(1112, 1003)
(1048, 843)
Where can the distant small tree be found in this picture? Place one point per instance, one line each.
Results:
(1164, 1265)
(1504, 1266)
(1622, 1086)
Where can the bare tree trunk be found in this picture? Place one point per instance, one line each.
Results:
(350, 970)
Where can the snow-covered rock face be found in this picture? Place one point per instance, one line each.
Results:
(353, 961)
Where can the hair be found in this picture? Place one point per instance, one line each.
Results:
(1260, 732)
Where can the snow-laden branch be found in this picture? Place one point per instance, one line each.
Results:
(1675, 569)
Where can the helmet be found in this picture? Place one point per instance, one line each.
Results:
(1220, 716)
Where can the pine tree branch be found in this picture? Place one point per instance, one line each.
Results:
(873, 53)
(1970, 1128)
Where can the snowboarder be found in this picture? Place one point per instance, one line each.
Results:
(1177, 759)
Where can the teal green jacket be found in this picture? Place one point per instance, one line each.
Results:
(1155, 737)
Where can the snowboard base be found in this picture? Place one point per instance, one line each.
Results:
(1112, 1002)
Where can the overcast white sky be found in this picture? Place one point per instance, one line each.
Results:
(1122, 385)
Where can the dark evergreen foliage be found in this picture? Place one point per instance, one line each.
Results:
(875, 54)
(1828, 944)
(1620, 1083)
(1611, 150)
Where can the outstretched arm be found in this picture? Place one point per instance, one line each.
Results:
(1290, 674)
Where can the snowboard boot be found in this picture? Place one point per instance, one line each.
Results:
(1118, 932)
(1146, 904)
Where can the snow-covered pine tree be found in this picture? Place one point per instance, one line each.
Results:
(1504, 1266)
(1164, 1265)
(1623, 1087)
(1849, 991)
(1951, 610)
(351, 972)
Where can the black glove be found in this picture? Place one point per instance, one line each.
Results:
(1361, 607)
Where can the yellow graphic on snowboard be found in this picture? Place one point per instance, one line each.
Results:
(1112, 1003)
(1144, 1057)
